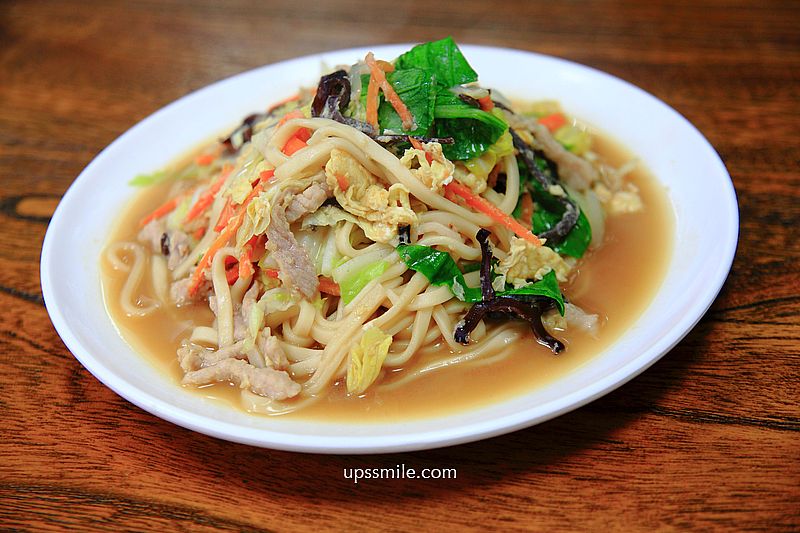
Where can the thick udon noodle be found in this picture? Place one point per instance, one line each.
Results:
(317, 339)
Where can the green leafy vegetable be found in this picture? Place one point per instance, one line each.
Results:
(439, 268)
(473, 130)
(470, 267)
(145, 180)
(422, 79)
(443, 59)
(577, 240)
(548, 211)
(352, 285)
(547, 287)
(416, 89)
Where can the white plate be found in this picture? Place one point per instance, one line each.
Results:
(699, 188)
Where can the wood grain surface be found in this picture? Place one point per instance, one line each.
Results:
(705, 439)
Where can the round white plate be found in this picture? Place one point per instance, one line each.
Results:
(699, 189)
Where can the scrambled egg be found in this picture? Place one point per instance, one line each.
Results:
(476, 183)
(436, 174)
(378, 210)
(626, 200)
(528, 261)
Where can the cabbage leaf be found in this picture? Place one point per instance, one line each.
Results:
(366, 359)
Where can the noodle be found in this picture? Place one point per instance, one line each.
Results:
(305, 255)
(142, 305)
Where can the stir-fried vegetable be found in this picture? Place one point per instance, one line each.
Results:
(484, 206)
(556, 216)
(439, 268)
(366, 359)
(320, 235)
(527, 303)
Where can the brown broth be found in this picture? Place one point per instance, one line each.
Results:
(617, 281)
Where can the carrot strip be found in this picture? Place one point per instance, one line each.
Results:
(481, 204)
(297, 141)
(526, 210)
(372, 101)
(293, 145)
(232, 227)
(231, 270)
(199, 232)
(289, 116)
(328, 286)
(385, 65)
(553, 122)
(248, 255)
(207, 198)
(418, 145)
(224, 215)
(486, 103)
(342, 181)
(415, 143)
(246, 263)
(231, 275)
(389, 92)
(271, 273)
(259, 248)
(372, 94)
(162, 210)
(205, 159)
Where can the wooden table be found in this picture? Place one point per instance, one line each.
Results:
(706, 438)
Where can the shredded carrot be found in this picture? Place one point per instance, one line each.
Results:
(224, 215)
(450, 195)
(254, 246)
(372, 101)
(484, 206)
(162, 210)
(372, 94)
(293, 145)
(289, 116)
(205, 159)
(418, 145)
(283, 102)
(328, 286)
(389, 92)
(231, 275)
(246, 263)
(297, 141)
(207, 198)
(554, 121)
(258, 247)
(199, 232)
(526, 210)
(385, 65)
(231, 270)
(230, 229)
(486, 103)
(415, 143)
(197, 277)
(271, 273)
(342, 181)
